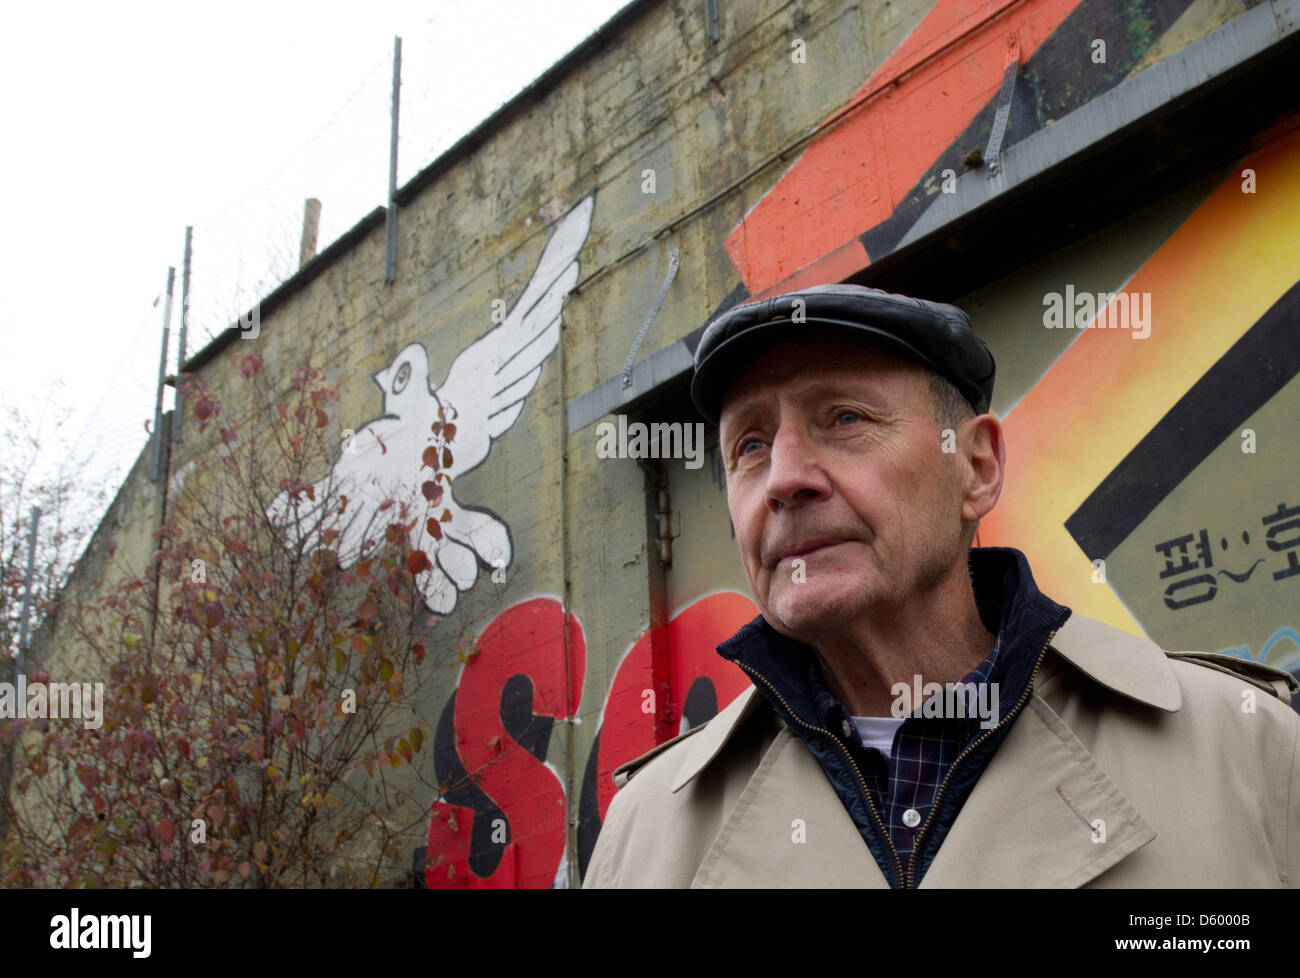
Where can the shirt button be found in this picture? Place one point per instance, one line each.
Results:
(847, 727)
(911, 818)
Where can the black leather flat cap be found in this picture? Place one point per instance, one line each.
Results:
(935, 334)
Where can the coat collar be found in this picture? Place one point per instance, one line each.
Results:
(1044, 814)
(1005, 595)
(1133, 667)
(1066, 819)
(1070, 821)
(704, 746)
(1123, 663)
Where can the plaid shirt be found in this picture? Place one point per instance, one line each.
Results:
(925, 749)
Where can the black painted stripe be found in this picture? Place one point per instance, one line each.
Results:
(1254, 369)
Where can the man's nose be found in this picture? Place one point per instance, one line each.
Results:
(794, 472)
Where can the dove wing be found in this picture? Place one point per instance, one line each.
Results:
(488, 382)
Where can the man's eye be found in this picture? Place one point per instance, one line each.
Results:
(853, 417)
(744, 445)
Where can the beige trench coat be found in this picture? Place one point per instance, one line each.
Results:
(1129, 766)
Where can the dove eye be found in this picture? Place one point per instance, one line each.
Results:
(403, 376)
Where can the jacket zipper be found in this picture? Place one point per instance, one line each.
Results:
(862, 784)
(943, 785)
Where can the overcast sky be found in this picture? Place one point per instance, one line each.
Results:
(125, 122)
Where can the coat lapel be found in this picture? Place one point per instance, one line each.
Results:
(1128, 665)
(1043, 814)
(789, 830)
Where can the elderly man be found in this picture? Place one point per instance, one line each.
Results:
(921, 714)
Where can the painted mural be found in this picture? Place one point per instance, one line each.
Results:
(1176, 463)
(1124, 451)
(500, 820)
(868, 177)
(481, 398)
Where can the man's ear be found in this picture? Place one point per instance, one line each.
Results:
(986, 458)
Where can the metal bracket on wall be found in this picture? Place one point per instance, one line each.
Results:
(994, 150)
(711, 20)
(668, 525)
(645, 327)
(390, 219)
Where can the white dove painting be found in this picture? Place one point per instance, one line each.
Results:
(483, 392)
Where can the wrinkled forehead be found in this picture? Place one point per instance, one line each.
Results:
(813, 365)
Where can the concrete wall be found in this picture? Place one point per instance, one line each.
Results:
(808, 145)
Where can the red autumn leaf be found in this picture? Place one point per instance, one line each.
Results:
(417, 650)
(430, 457)
(213, 613)
(418, 562)
(111, 547)
(432, 492)
(322, 419)
(167, 830)
(449, 431)
(392, 533)
(446, 458)
(367, 610)
(434, 528)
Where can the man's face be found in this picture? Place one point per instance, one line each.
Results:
(833, 459)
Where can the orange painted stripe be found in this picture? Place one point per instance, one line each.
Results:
(835, 267)
(853, 177)
(1209, 283)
